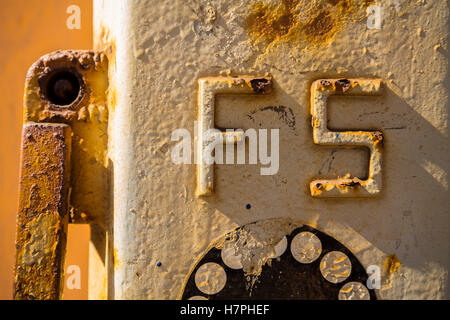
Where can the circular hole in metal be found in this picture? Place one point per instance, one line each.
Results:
(62, 87)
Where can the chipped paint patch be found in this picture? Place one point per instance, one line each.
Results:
(256, 244)
(41, 241)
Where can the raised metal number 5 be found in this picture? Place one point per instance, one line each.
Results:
(347, 186)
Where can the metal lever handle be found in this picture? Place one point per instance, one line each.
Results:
(43, 214)
(64, 100)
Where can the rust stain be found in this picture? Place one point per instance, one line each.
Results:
(261, 86)
(378, 139)
(314, 22)
(43, 211)
(345, 184)
(391, 264)
(320, 26)
(271, 22)
(116, 260)
(342, 85)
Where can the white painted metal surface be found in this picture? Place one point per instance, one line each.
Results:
(159, 50)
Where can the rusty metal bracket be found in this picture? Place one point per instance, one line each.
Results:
(208, 89)
(347, 186)
(64, 166)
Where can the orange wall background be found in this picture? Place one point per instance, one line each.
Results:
(30, 29)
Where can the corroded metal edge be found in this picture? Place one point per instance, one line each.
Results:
(43, 211)
(89, 66)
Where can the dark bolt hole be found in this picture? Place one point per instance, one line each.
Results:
(248, 206)
(63, 88)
